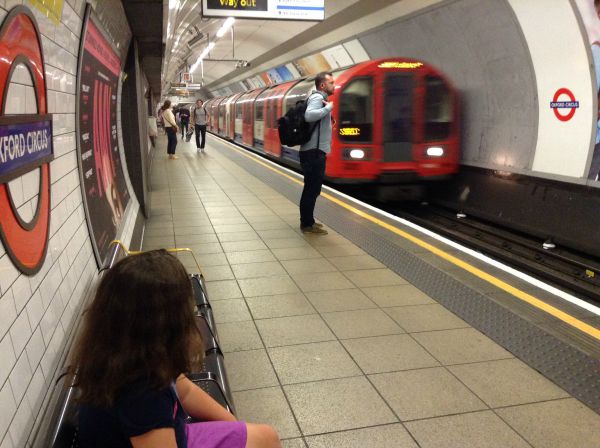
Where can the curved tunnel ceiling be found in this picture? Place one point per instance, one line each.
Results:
(254, 39)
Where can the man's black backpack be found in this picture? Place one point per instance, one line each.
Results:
(293, 128)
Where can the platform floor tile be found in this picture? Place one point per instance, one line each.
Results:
(384, 436)
(478, 429)
(392, 353)
(461, 346)
(425, 318)
(425, 393)
(506, 382)
(250, 369)
(267, 405)
(558, 424)
(281, 305)
(312, 362)
(294, 330)
(336, 405)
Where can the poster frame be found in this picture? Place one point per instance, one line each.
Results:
(89, 12)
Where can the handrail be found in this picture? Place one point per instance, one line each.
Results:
(119, 243)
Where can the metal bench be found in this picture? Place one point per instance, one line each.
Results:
(58, 428)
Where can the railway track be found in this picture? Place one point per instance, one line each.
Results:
(566, 269)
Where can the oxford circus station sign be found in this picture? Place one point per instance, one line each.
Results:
(25, 143)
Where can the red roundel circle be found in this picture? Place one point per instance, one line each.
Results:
(569, 94)
(26, 243)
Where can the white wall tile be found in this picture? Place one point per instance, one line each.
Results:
(7, 354)
(31, 184)
(52, 354)
(8, 273)
(7, 442)
(15, 100)
(20, 332)
(15, 187)
(35, 348)
(50, 284)
(22, 424)
(21, 292)
(8, 312)
(20, 377)
(7, 407)
(36, 391)
(35, 309)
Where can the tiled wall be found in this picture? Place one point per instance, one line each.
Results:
(37, 313)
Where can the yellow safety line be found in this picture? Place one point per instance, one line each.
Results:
(534, 301)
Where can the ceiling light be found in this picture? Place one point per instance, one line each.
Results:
(228, 24)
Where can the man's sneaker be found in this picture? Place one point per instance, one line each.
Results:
(314, 229)
(318, 224)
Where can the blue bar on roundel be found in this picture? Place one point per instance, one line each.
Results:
(25, 144)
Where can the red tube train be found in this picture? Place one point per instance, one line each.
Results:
(397, 122)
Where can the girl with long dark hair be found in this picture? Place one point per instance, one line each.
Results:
(138, 339)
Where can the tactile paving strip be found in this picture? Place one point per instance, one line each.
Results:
(571, 369)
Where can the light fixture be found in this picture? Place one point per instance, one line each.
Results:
(206, 50)
(228, 24)
(435, 151)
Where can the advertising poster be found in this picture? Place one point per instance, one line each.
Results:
(590, 14)
(103, 182)
(51, 8)
(284, 73)
(274, 76)
(311, 65)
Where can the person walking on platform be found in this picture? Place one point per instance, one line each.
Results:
(138, 340)
(199, 116)
(313, 154)
(184, 119)
(171, 129)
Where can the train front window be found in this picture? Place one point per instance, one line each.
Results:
(438, 109)
(356, 111)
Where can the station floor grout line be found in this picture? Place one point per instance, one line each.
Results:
(223, 187)
(534, 301)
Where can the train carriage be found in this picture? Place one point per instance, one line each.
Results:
(396, 121)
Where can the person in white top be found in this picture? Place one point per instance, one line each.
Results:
(171, 129)
(200, 116)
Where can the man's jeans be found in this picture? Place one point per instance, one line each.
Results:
(313, 167)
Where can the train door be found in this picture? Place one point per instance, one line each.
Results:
(398, 113)
(259, 119)
(238, 125)
(272, 144)
(222, 117)
(354, 143)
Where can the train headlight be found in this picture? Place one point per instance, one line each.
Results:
(357, 154)
(435, 151)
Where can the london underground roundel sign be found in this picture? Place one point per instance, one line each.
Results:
(25, 143)
(564, 110)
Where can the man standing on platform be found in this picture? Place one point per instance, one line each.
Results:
(313, 154)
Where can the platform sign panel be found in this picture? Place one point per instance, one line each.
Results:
(313, 10)
(102, 178)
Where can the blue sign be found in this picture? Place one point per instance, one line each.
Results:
(25, 144)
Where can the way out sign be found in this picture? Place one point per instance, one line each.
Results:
(564, 104)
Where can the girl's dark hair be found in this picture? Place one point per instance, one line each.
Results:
(139, 327)
(166, 105)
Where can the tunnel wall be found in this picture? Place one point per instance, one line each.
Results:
(37, 312)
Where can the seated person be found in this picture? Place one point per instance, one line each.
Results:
(137, 340)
